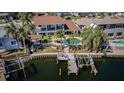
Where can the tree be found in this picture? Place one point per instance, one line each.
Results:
(12, 32)
(60, 34)
(100, 38)
(71, 40)
(101, 14)
(93, 38)
(87, 38)
(23, 36)
(27, 28)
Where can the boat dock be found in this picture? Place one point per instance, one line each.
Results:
(72, 66)
(93, 68)
(87, 61)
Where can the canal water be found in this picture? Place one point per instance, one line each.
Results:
(109, 69)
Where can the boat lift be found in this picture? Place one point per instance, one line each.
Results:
(19, 63)
(87, 61)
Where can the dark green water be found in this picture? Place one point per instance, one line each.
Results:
(109, 69)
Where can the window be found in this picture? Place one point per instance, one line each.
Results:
(107, 26)
(51, 27)
(119, 25)
(1, 44)
(110, 34)
(104, 26)
(39, 25)
(59, 26)
(112, 25)
(119, 34)
(43, 28)
(13, 42)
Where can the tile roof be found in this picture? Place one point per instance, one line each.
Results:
(100, 21)
(45, 20)
(71, 25)
(38, 20)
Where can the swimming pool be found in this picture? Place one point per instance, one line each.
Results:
(71, 41)
(117, 43)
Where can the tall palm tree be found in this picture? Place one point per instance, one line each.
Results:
(26, 18)
(100, 38)
(60, 34)
(27, 27)
(87, 38)
(12, 32)
(23, 36)
(93, 38)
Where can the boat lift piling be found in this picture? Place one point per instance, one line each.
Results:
(60, 72)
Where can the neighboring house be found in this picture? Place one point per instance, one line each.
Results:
(8, 44)
(3, 30)
(112, 25)
(46, 25)
(6, 16)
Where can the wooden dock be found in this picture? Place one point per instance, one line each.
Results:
(72, 67)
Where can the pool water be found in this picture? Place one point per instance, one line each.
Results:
(48, 70)
(118, 42)
(76, 41)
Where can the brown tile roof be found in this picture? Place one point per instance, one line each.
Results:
(38, 20)
(99, 21)
(35, 37)
(71, 25)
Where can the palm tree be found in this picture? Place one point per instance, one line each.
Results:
(100, 38)
(26, 18)
(93, 38)
(87, 38)
(101, 14)
(27, 28)
(23, 36)
(60, 34)
(12, 32)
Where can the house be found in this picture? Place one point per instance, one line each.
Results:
(7, 43)
(112, 25)
(3, 28)
(46, 25)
